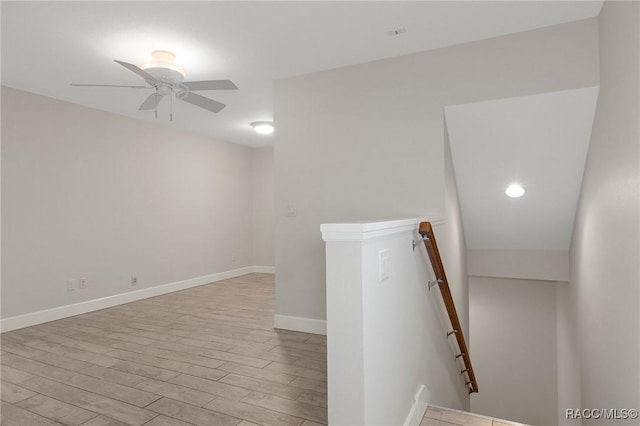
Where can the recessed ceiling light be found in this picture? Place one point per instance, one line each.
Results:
(263, 127)
(514, 190)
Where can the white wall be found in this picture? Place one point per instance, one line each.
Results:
(88, 194)
(385, 338)
(513, 342)
(263, 206)
(366, 142)
(605, 249)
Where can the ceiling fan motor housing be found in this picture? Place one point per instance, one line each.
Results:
(165, 75)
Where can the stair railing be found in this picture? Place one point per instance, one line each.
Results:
(426, 231)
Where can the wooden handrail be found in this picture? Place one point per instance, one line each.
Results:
(441, 278)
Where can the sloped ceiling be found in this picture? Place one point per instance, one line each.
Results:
(538, 141)
(47, 45)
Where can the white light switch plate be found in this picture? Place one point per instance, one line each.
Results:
(383, 264)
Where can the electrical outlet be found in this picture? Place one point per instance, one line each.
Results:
(71, 285)
(82, 283)
(234, 258)
(291, 211)
(134, 280)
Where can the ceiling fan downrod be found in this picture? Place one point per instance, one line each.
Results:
(171, 106)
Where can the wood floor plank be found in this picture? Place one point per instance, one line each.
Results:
(13, 393)
(162, 337)
(36, 368)
(313, 398)
(14, 375)
(90, 401)
(16, 416)
(264, 354)
(57, 410)
(81, 381)
(139, 369)
(61, 349)
(253, 413)
(281, 334)
(171, 365)
(286, 350)
(116, 391)
(178, 353)
(310, 384)
(457, 417)
(177, 392)
(310, 423)
(297, 371)
(257, 373)
(46, 357)
(264, 386)
(112, 375)
(166, 421)
(191, 414)
(310, 364)
(104, 421)
(210, 386)
(287, 406)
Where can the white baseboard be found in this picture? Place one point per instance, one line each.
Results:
(419, 407)
(306, 325)
(39, 317)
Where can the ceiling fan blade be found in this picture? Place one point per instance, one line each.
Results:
(202, 102)
(151, 102)
(210, 85)
(136, 70)
(108, 85)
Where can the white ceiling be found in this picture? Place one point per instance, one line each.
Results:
(539, 141)
(47, 45)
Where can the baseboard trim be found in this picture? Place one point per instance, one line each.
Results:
(419, 407)
(306, 325)
(264, 269)
(39, 317)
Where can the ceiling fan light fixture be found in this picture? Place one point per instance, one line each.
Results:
(163, 59)
(263, 127)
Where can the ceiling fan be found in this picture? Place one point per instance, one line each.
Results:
(166, 78)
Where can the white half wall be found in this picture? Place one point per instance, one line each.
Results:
(386, 338)
(93, 195)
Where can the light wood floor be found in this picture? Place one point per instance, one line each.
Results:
(204, 356)
(438, 416)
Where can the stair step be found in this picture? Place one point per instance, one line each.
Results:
(440, 416)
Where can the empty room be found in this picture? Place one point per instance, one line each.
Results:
(242, 213)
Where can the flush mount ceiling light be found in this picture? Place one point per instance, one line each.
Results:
(514, 190)
(263, 127)
(163, 60)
